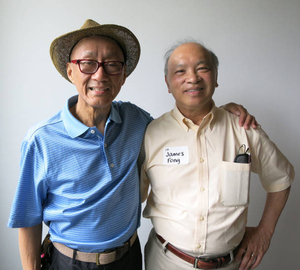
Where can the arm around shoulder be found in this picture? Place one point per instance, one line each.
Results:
(246, 120)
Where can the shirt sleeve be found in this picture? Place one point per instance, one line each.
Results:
(275, 171)
(144, 180)
(144, 184)
(27, 207)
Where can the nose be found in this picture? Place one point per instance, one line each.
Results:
(193, 77)
(100, 74)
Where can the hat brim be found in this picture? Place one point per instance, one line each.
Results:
(62, 46)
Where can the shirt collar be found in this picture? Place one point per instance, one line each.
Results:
(187, 124)
(76, 128)
(114, 114)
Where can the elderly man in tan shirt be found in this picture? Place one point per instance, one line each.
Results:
(199, 196)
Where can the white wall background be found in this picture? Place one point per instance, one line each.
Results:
(258, 44)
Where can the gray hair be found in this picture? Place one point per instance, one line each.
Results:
(214, 58)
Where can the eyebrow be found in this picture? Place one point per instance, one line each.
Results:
(197, 64)
(202, 62)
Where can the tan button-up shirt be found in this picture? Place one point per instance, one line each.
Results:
(199, 196)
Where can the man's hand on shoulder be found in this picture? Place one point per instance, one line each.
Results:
(246, 120)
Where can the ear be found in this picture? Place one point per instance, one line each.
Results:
(70, 72)
(167, 83)
(217, 79)
(124, 75)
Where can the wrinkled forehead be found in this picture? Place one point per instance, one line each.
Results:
(90, 46)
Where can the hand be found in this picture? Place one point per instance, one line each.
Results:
(246, 120)
(253, 247)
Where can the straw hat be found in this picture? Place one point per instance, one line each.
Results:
(62, 46)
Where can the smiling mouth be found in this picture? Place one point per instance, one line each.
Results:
(194, 90)
(98, 89)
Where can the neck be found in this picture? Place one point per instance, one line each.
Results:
(195, 114)
(90, 116)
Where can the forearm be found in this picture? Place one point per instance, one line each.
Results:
(275, 203)
(30, 247)
(256, 240)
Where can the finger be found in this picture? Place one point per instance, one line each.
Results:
(234, 108)
(238, 257)
(248, 121)
(231, 107)
(253, 259)
(253, 262)
(249, 264)
(247, 261)
(243, 116)
(257, 261)
(237, 109)
(254, 123)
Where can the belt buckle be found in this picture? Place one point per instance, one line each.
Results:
(231, 256)
(205, 260)
(98, 258)
(99, 254)
(197, 259)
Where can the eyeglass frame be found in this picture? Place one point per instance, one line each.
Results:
(77, 62)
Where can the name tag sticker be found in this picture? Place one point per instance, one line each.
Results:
(176, 155)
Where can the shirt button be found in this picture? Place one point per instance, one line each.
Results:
(112, 165)
(202, 189)
(105, 145)
(201, 218)
(93, 131)
(201, 160)
(198, 246)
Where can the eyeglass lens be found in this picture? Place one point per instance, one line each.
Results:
(90, 66)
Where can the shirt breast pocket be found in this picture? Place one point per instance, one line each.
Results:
(235, 180)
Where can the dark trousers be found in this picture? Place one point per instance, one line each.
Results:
(132, 260)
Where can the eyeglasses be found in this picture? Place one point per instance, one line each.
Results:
(87, 66)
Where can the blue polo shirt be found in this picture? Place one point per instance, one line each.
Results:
(83, 185)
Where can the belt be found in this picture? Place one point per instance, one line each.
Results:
(201, 263)
(101, 258)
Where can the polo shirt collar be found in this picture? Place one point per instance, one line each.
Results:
(186, 123)
(76, 128)
(114, 114)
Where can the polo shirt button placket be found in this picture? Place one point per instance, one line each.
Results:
(95, 133)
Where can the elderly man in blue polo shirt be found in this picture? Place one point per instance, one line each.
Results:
(79, 171)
